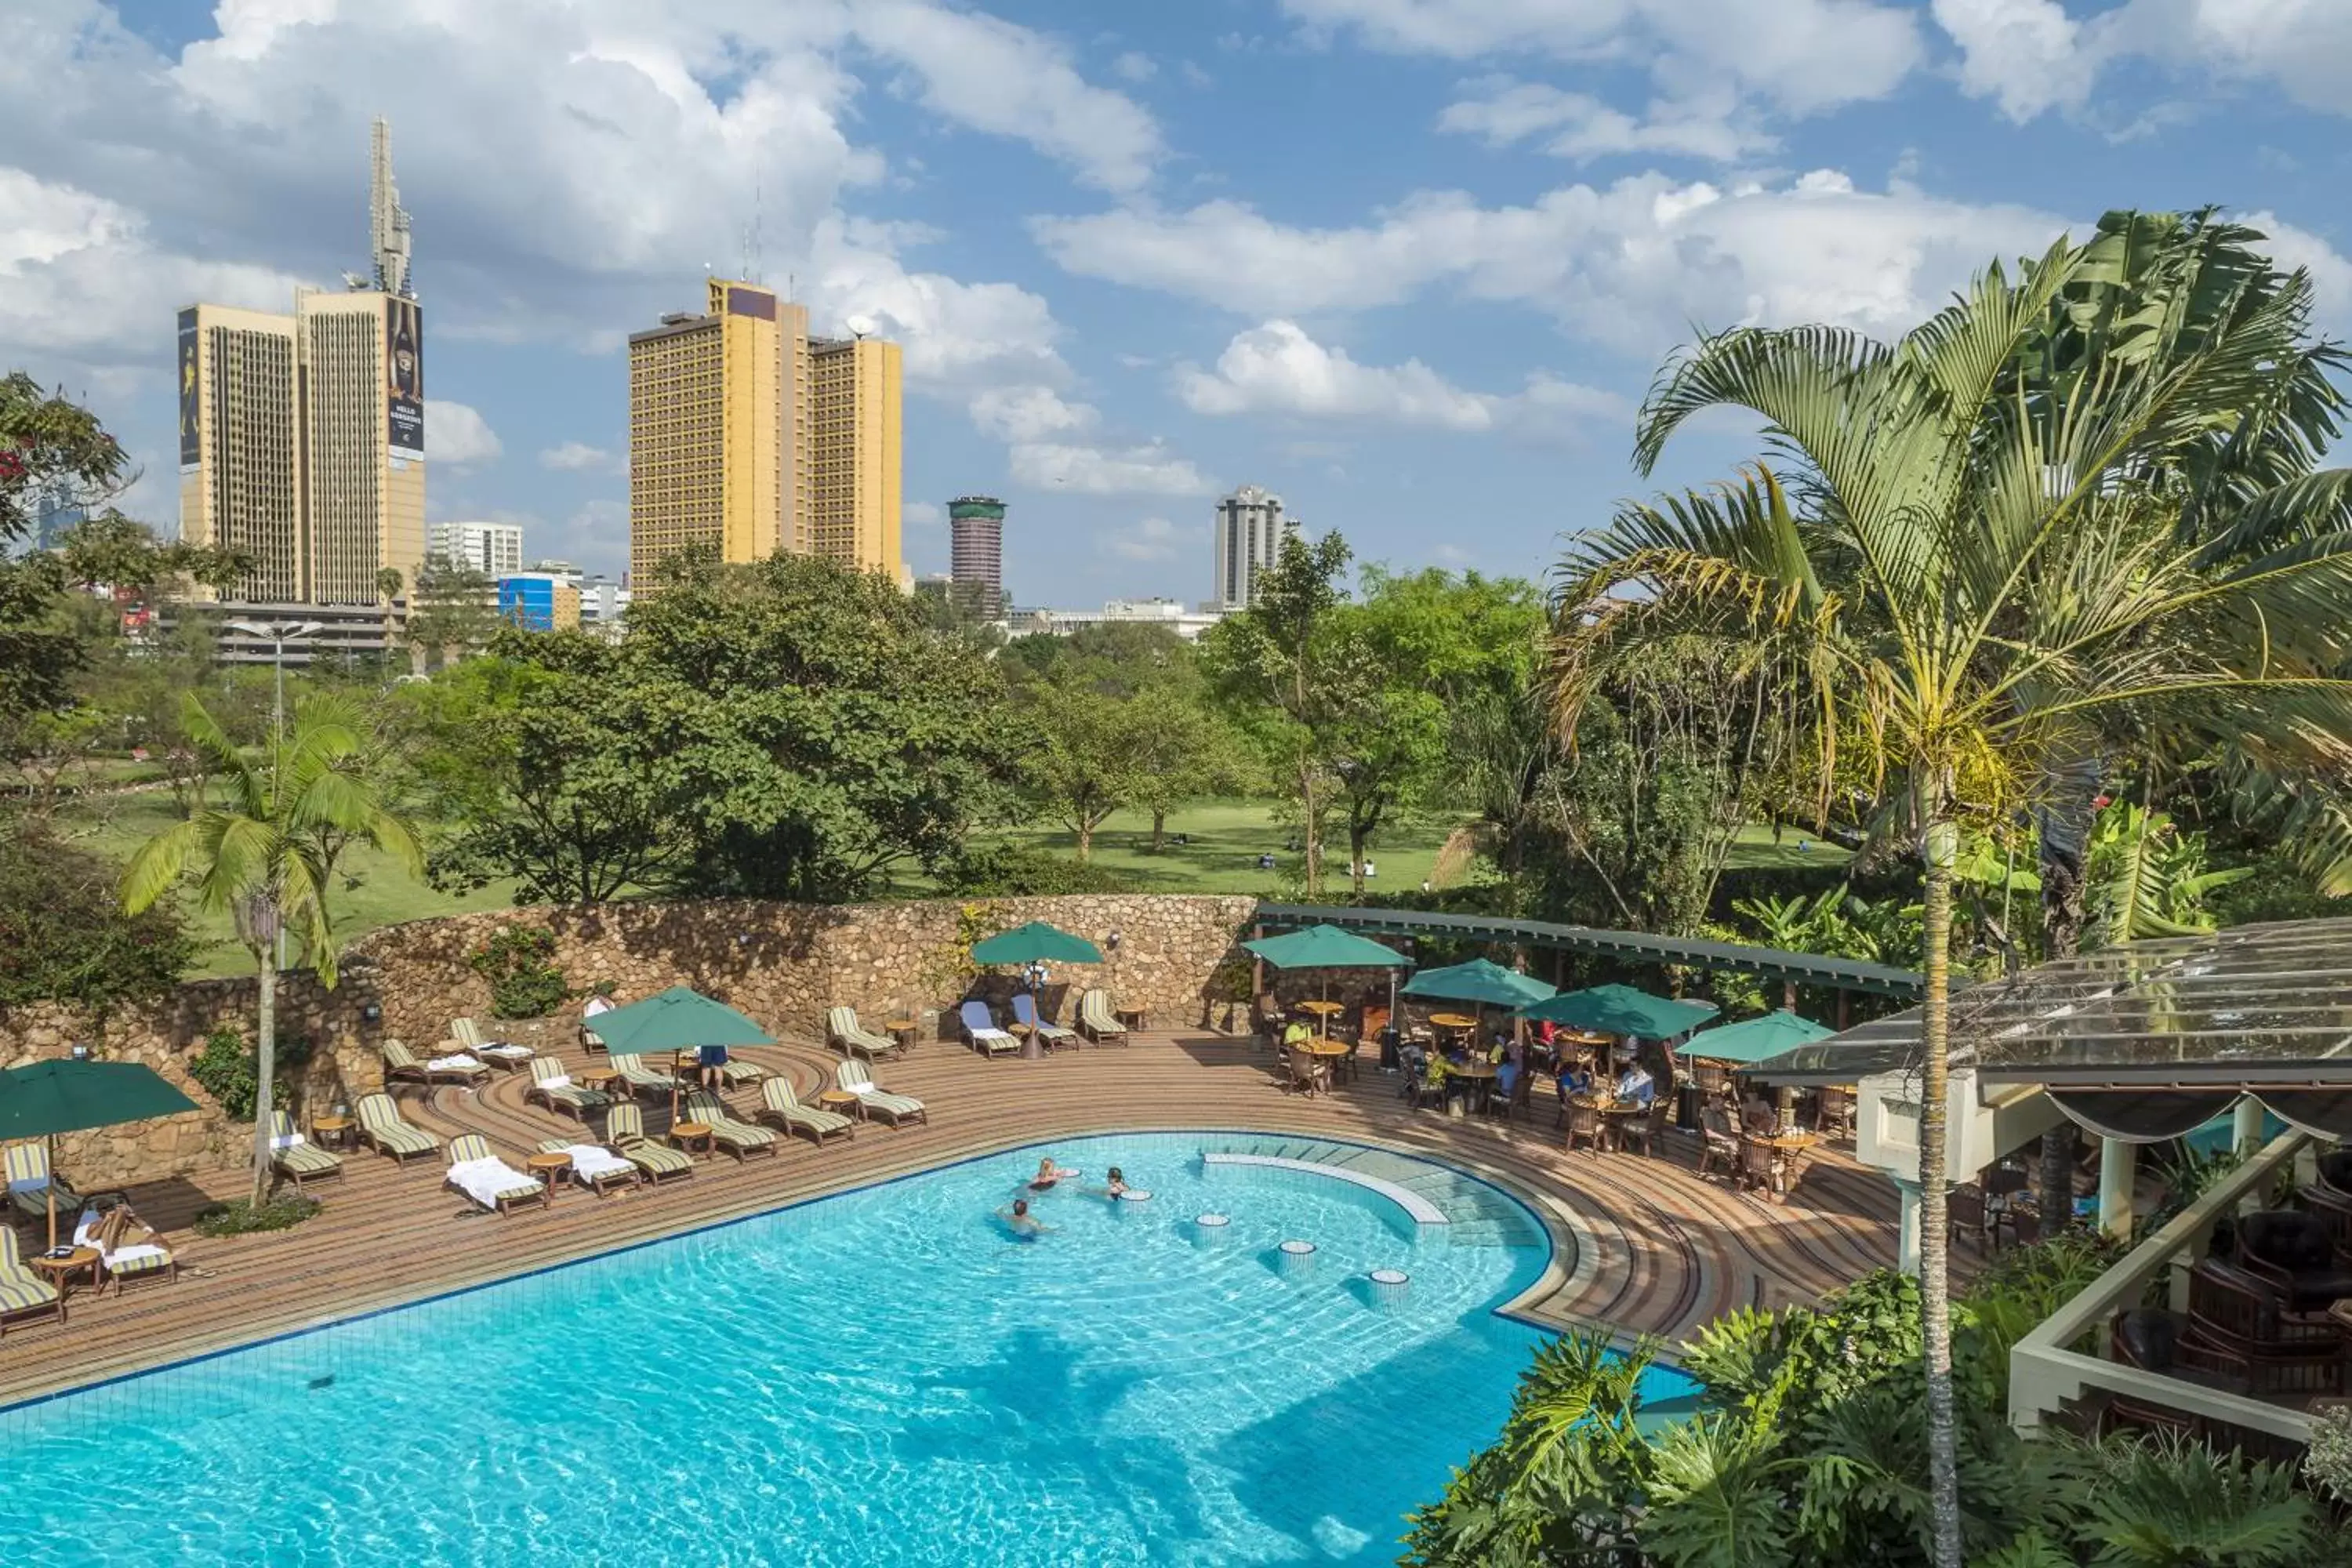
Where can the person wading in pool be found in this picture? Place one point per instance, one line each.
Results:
(1024, 1225)
(1048, 1174)
(1115, 1187)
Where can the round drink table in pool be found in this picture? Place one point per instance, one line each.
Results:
(888, 1377)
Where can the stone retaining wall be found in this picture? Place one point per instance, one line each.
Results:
(783, 963)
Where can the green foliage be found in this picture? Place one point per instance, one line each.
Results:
(947, 969)
(2148, 878)
(997, 870)
(1810, 1446)
(525, 981)
(2328, 1463)
(788, 730)
(229, 1067)
(242, 1217)
(63, 933)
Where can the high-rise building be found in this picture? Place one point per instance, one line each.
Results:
(302, 436)
(747, 436)
(976, 554)
(493, 549)
(854, 438)
(541, 601)
(1251, 527)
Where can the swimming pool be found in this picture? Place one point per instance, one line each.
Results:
(879, 1377)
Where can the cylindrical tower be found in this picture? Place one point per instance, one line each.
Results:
(976, 554)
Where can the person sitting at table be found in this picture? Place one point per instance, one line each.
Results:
(1574, 1078)
(1510, 1061)
(1296, 1033)
(1759, 1115)
(1635, 1084)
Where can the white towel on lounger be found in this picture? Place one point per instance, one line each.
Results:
(589, 1160)
(443, 1064)
(485, 1181)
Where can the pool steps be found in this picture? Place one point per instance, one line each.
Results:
(1475, 1213)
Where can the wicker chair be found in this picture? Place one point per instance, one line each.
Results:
(1834, 1117)
(2283, 1352)
(1762, 1168)
(1584, 1122)
(1308, 1073)
(1646, 1130)
(1964, 1211)
(2295, 1254)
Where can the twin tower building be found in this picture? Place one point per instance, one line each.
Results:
(302, 437)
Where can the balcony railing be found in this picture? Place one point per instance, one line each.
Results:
(2045, 1375)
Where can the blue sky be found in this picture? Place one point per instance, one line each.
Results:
(1411, 263)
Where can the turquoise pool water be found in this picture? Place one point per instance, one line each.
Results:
(881, 1377)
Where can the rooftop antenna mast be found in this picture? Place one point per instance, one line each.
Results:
(387, 219)
(752, 258)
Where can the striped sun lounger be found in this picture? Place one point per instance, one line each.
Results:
(980, 1030)
(24, 1293)
(401, 1065)
(783, 1109)
(624, 1134)
(639, 1079)
(498, 1053)
(895, 1108)
(1096, 1020)
(601, 1183)
(498, 1189)
(739, 1139)
(297, 1159)
(1054, 1036)
(553, 1088)
(383, 1130)
(30, 1178)
(148, 1260)
(851, 1037)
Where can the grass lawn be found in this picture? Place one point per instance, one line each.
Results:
(371, 890)
(1226, 837)
(1760, 848)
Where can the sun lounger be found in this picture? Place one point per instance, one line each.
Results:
(295, 1157)
(980, 1030)
(737, 1072)
(488, 1181)
(400, 1065)
(624, 1134)
(24, 1293)
(553, 1088)
(852, 1038)
(383, 1130)
(639, 1079)
(593, 1166)
(739, 1139)
(498, 1053)
(1096, 1020)
(30, 1178)
(146, 1259)
(783, 1109)
(895, 1108)
(1051, 1035)
(590, 1040)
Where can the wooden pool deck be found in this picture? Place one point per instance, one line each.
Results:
(1642, 1244)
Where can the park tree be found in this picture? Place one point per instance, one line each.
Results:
(262, 854)
(51, 450)
(1966, 587)
(1077, 754)
(1275, 668)
(453, 612)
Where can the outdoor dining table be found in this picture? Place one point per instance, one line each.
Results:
(1481, 1073)
(1610, 1106)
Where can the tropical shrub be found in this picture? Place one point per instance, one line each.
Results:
(241, 1217)
(229, 1067)
(63, 934)
(2327, 1465)
(525, 982)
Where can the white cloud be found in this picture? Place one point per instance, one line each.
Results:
(1146, 470)
(1631, 265)
(455, 434)
(1133, 66)
(922, 514)
(579, 457)
(1028, 414)
(1503, 111)
(1278, 368)
(1803, 56)
(2021, 53)
(1152, 538)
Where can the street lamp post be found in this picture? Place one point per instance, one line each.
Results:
(277, 634)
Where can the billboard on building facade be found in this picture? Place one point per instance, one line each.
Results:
(404, 363)
(192, 449)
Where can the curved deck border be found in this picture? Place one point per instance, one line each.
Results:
(1418, 1209)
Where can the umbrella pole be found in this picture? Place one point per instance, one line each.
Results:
(53, 1192)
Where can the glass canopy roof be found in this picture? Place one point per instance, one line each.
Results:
(2253, 1005)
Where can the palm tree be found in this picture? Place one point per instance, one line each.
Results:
(262, 854)
(1969, 583)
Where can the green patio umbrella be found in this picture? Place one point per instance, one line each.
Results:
(1621, 1010)
(1754, 1040)
(73, 1094)
(1037, 942)
(1481, 982)
(1329, 947)
(678, 1019)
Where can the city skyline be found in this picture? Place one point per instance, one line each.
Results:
(1385, 256)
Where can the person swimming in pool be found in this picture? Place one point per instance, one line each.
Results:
(1048, 1175)
(1115, 1186)
(1025, 1225)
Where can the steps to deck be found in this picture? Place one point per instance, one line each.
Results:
(1474, 1213)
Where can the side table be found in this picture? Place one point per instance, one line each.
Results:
(552, 1168)
(686, 1133)
(842, 1102)
(331, 1130)
(61, 1270)
(901, 1031)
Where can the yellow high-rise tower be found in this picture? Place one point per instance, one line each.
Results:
(241, 442)
(748, 438)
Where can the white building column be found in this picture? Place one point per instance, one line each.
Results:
(2246, 1125)
(2119, 1160)
(1907, 1245)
